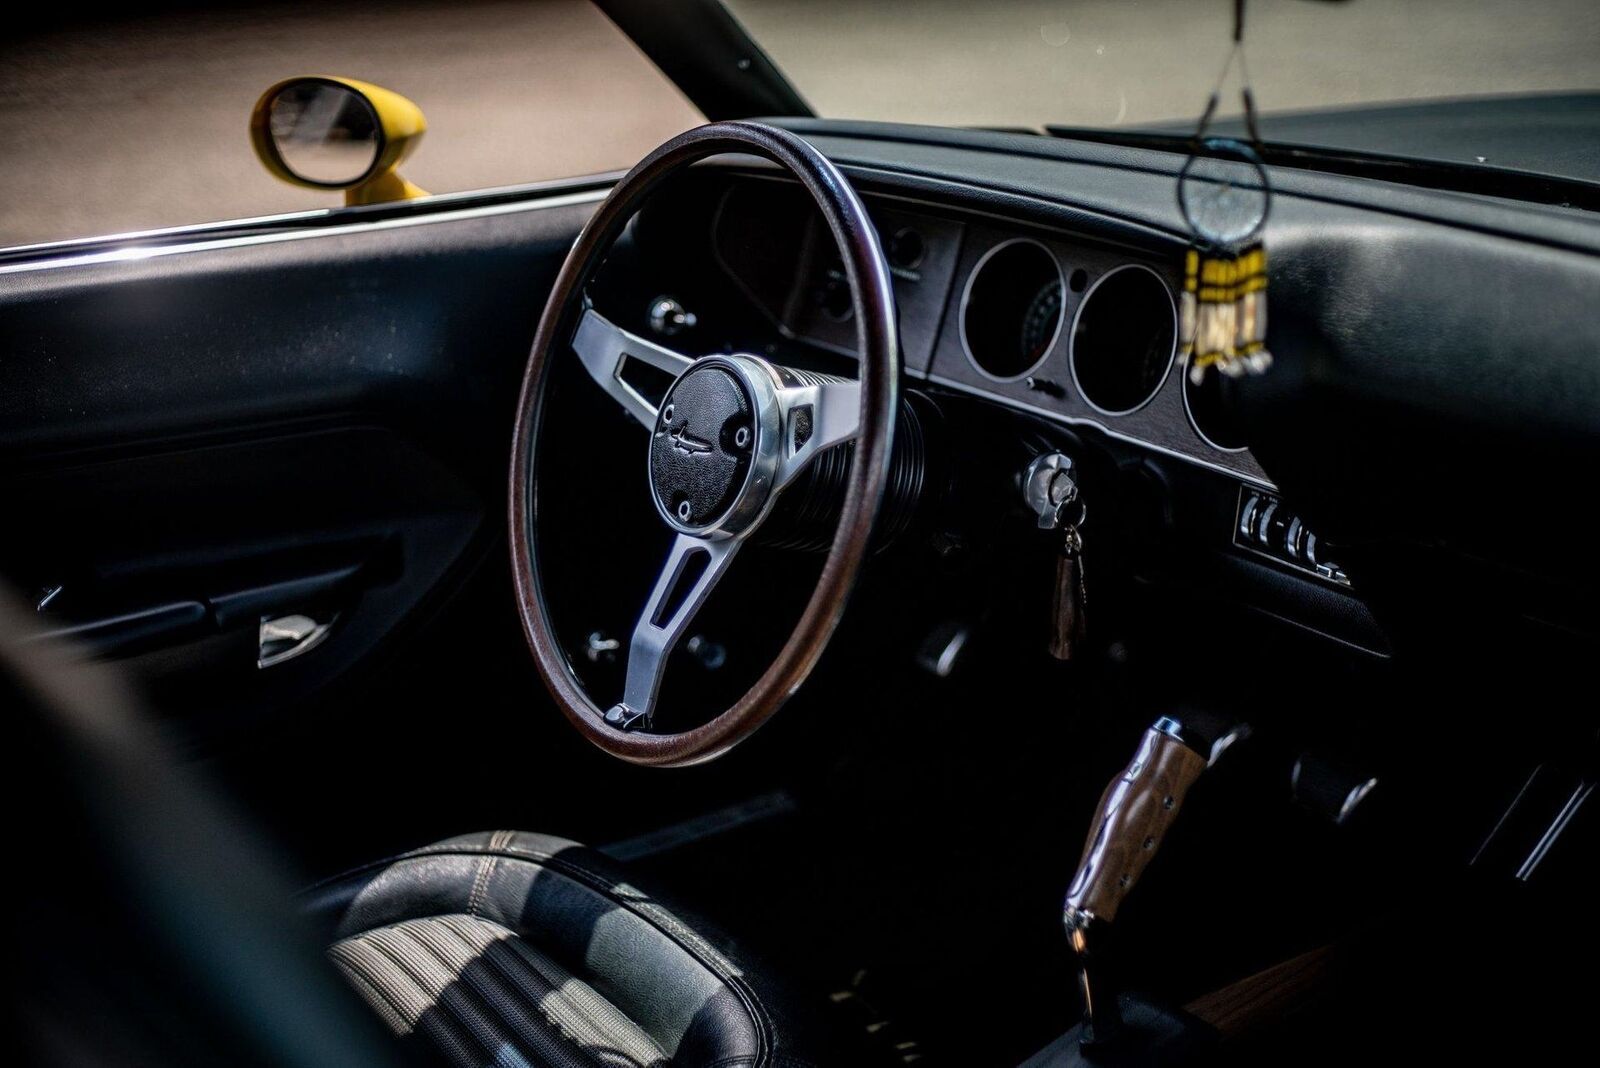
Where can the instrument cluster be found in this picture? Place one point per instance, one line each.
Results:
(1075, 329)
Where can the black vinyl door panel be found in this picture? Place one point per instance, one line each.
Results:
(311, 431)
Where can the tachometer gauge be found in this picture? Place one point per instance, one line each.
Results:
(1012, 308)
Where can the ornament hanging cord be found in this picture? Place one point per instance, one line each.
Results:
(1246, 94)
(1223, 315)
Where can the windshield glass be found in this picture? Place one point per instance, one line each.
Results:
(1152, 63)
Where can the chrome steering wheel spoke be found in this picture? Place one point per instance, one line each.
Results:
(691, 571)
(816, 417)
(605, 349)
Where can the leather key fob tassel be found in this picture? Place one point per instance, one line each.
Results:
(1067, 598)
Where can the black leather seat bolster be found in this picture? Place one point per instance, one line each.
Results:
(577, 907)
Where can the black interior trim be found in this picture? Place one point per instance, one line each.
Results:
(702, 48)
(905, 147)
(1429, 174)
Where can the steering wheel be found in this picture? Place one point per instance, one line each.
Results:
(729, 435)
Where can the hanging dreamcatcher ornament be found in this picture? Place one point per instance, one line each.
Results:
(1224, 195)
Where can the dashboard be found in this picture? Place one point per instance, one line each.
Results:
(1035, 282)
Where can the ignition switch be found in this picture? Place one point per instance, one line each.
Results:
(1050, 489)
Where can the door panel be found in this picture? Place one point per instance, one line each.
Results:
(306, 428)
(416, 322)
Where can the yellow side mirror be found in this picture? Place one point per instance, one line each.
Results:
(338, 133)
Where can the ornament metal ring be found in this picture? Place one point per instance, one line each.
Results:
(1224, 148)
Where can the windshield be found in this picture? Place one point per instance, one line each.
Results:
(1152, 63)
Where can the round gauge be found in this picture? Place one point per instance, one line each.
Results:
(1011, 313)
(1039, 322)
(1123, 340)
(1211, 414)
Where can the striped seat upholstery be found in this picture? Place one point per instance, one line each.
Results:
(482, 995)
(510, 949)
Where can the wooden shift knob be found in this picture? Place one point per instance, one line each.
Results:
(1135, 811)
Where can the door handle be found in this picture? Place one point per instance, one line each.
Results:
(283, 638)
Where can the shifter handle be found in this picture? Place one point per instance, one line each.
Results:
(1135, 812)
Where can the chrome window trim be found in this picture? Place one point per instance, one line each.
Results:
(68, 243)
(130, 246)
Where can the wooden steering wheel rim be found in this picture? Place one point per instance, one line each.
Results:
(878, 344)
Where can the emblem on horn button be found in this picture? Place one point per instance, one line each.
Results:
(686, 442)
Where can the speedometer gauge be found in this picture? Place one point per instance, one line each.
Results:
(1012, 309)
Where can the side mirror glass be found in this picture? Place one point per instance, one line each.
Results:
(338, 133)
(325, 133)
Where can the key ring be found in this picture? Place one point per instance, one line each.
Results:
(1076, 500)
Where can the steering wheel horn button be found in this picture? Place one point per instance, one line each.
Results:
(704, 449)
